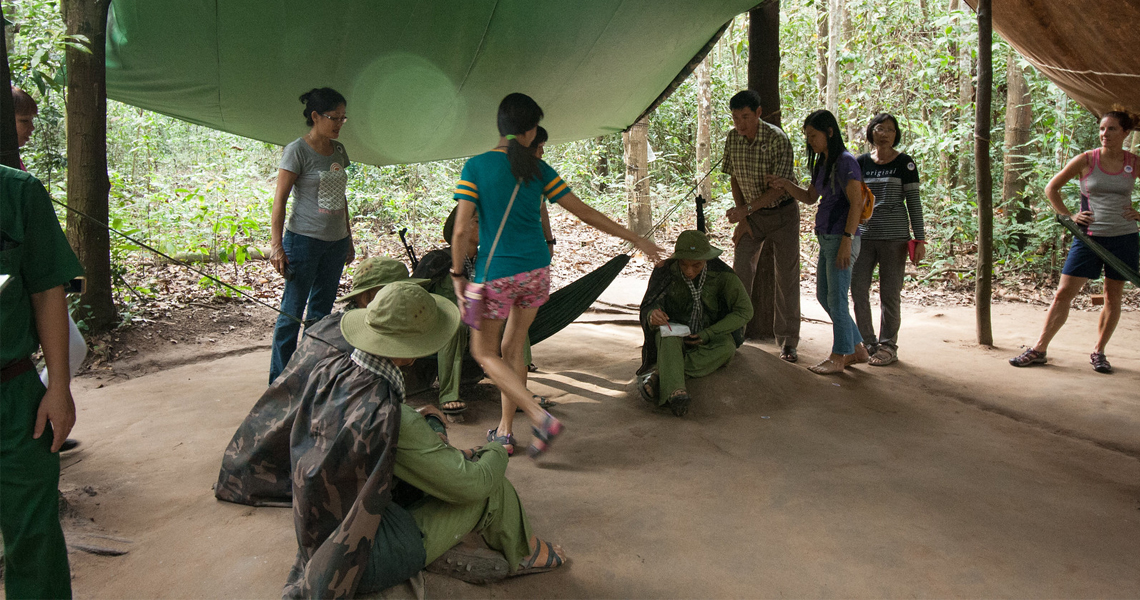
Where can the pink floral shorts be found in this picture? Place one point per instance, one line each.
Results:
(524, 290)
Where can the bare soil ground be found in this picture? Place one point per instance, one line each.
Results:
(949, 474)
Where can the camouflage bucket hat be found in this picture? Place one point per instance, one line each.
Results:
(376, 272)
(402, 321)
(694, 245)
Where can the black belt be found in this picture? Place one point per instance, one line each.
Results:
(778, 206)
(15, 369)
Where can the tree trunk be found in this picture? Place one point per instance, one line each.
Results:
(764, 58)
(834, 27)
(965, 99)
(821, 50)
(948, 171)
(704, 131)
(602, 169)
(9, 150)
(983, 285)
(87, 183)
(636, 143)
(1018, 123)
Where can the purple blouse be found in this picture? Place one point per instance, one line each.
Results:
(831, 217)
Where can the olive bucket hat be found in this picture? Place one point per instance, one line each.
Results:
(694, 245)
(402, 321)
(376, 272)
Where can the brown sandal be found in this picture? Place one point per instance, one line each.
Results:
(828, 367)
(546, 557)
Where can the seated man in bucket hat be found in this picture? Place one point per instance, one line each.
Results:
(695, 289)
(255, 466)
(377, 495)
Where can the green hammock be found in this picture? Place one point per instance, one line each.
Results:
(568, 303)
(1105, 255)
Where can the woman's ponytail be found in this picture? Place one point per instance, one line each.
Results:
(518, 114)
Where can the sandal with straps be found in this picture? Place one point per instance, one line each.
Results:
(1099, 362)
(544, 435)
(1029, 357)
(508, 441)
(537, 563)
(883, 356)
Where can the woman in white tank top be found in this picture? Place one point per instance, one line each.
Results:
(1108, 178)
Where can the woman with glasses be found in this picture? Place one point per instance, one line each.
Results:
(893, 178)
(310, 249)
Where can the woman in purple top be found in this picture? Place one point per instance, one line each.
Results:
(835, 177)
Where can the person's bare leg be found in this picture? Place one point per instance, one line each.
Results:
(1110, 314)
(485, 349)
(1059, 309)
(514, 354)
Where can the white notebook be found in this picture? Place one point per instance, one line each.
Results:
(674, 330)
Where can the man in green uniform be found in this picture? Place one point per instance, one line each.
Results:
(354, 440)
(255, 466)
(37, 262)
(715, 323)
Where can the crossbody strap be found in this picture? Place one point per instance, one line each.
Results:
(499, 233)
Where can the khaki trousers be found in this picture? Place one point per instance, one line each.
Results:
(778, 284)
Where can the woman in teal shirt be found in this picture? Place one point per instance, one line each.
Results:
(517, 278)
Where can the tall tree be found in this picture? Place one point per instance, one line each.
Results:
(821, 50)
(984, 279)
(834, 27)
(704, 130)
(764, 77)
(764, 58)
(1018, 124)
(9, 151)
(87, 182)
(636, 143)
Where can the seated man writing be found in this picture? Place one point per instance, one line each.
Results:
(255, 467)
(693, 290)
(354, 441)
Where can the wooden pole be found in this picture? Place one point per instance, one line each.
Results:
(87, 181)
(984, 285)
(764, 58)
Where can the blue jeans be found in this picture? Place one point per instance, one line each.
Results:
(317, 266)
(831, 289)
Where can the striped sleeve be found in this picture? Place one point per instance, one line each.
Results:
(466, 188)
(912, 199)
(553, 187)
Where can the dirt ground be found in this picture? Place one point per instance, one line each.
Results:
(949, 474)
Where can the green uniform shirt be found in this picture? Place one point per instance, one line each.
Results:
(726, 304)
(34, 252)
(425, 462)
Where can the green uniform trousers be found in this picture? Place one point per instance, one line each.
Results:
(450, 364)
(35, 555)
(499, 519)
(676, 361)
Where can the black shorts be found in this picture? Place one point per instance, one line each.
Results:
(1083, 262)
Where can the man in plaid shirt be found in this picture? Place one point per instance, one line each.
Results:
(753, 150)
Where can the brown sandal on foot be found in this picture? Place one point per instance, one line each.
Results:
(546, 557)
(882, 357)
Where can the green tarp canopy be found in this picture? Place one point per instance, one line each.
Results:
(423, 79)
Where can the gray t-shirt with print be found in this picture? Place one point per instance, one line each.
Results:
(319, 202)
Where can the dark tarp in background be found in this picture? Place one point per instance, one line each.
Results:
(423, 79)
(1091, 50)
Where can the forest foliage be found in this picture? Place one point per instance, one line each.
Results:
(186, 188)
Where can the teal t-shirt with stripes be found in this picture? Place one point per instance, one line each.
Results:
(487, 181)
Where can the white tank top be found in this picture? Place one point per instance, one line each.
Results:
(1108, 195)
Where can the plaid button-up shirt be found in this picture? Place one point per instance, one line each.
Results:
(749, 163)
